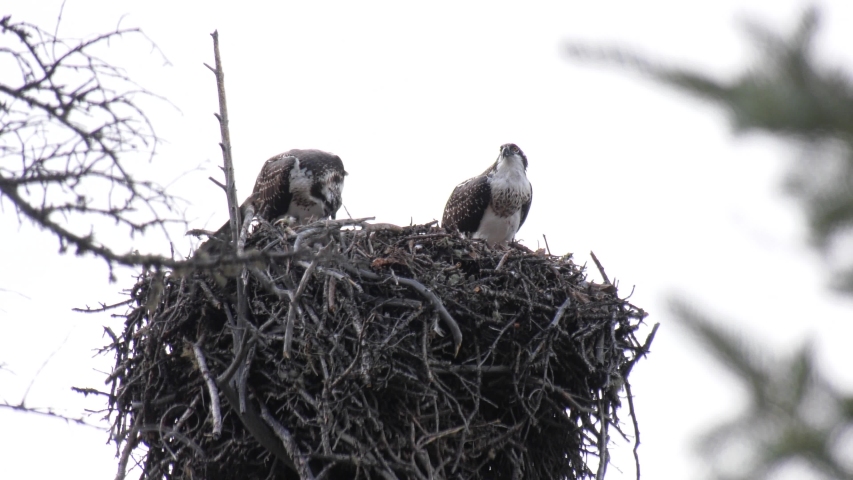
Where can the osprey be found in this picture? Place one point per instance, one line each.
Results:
(303, 184)
(493, 205)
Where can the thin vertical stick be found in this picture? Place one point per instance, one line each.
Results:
(230, 186)
(222, 116)
(603, 439)
(215, 410)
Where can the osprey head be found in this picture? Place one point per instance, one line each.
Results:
(510, 151)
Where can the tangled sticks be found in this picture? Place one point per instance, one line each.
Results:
(373, 352)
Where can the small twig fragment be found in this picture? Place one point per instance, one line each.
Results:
(215, 411)
(600, 268)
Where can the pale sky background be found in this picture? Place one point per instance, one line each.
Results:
(416, 99)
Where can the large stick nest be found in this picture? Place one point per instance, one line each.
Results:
(373, 352)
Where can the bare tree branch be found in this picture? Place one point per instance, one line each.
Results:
(71, 128)
(47, 412)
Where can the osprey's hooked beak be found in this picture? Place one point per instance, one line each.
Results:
(510, 150)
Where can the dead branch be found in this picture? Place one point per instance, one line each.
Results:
(228, 163)
(71, 130)
(215, 411)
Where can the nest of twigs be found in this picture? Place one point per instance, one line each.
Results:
(372, 352)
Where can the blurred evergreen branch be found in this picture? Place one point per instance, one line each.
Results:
(789, 94)
(794, 414)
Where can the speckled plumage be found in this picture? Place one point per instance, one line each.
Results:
(303, 184)
(494, 204)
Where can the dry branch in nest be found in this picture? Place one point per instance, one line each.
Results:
(371, 352)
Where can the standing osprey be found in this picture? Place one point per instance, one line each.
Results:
(303, 184)
(493, 205)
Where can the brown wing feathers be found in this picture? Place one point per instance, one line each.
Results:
(525, 208)
(466, 205)
(271, 194)
(271, 190)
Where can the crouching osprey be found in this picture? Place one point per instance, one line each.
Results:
(305, 185)
(493, 205)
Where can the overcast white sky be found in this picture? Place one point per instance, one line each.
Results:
(415, 99)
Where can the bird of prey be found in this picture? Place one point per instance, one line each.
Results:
(493, 205)
(305, 185)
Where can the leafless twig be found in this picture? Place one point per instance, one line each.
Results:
(215, 410)
(600, 268)
(72, 127)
